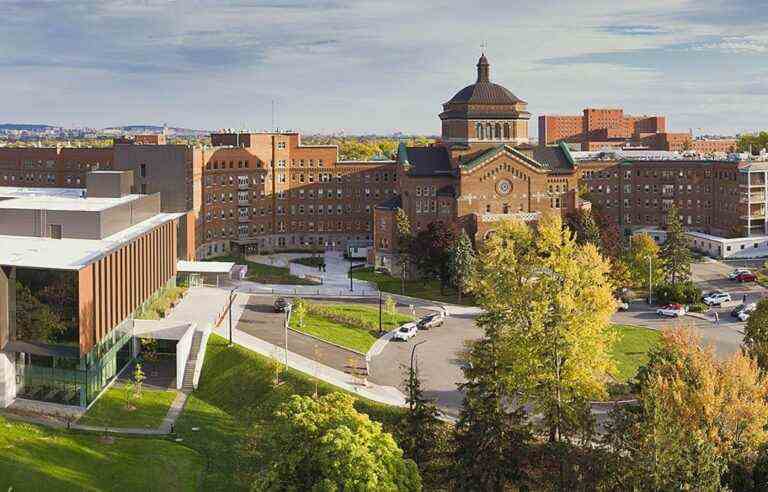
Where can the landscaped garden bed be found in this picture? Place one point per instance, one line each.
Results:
(429, 289)
(352, 326)
(159, 308)
(310, 261)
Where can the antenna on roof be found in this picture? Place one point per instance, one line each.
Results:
(483, 46)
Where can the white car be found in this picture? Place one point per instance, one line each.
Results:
(406, 332)
(744, 314)
(717, 298)
(737, 272)
(671, 310)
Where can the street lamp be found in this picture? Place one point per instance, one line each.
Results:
(231, 295)
(413, 352)
(287, 321)
(350, 272)
(379, 313)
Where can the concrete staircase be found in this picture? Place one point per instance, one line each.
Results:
(189, 370)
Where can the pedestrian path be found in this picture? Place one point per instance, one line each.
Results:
(382, 394)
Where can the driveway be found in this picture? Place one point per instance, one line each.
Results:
(439, 361)
(713, 275)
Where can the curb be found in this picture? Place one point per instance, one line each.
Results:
(326, 341)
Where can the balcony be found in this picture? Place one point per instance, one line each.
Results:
(244, 202)
(243, 186)
(757, 198)
(523, 216)
(244, 218)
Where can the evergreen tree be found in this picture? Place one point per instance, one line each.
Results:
(462, 262)
(675, 254)
(421, 429)
(404, 239)
(491, 438)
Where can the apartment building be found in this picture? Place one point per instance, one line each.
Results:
(75, 266)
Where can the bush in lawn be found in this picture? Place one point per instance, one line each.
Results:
(683, 293)
(698, 307)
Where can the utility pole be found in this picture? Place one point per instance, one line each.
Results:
(351, 289)
(287, 320)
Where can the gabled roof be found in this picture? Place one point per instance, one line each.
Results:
(495, 151)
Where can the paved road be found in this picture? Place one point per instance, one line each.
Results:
(439, 360)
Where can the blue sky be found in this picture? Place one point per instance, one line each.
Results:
(377, 66)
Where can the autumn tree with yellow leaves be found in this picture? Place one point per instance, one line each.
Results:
(548, 303)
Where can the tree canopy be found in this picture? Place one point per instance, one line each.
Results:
(675, 253)
(549, 300)
(324, 444)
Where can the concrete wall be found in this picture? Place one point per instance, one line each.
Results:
(183, 347)
(7, 364)
(123, 216)
(109, 184)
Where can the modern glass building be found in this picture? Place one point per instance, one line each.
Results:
(74, 269)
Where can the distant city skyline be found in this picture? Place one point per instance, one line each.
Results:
(377, 67)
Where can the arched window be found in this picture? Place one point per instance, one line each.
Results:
(506, 131)
(479, 131)
(489, 131)
(497, 131)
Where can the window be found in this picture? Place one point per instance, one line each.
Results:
(143, 170)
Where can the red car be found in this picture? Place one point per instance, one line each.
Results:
(746, 277)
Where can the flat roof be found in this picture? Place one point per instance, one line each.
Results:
(70, 254)
(64, 203)
(204, 266)
(21, 192)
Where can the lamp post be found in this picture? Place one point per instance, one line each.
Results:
(231, 295)
(379, 313)
(287, 321)
(350, 273)
(413, 352)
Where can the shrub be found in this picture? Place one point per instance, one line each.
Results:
(683, 293)
(698, 307)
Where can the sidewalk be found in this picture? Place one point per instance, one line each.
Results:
(382, 394)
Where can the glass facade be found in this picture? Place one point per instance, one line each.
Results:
(46, 327)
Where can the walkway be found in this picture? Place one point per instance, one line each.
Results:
(382, 394)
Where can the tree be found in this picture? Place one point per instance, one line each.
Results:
(675, 254)
(138, 379)
(642, 247)
(324, 444)
(420, 431)
(583, 224)
(35, 321)
(299, 312)
(491, 436)
(431, 250)
(403, 240)
(390, 307)
(756, 335)
(697, 418)
(552, 301)
(462, 262)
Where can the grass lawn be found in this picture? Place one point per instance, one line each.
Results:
(36, 458)
(234, 395)
(266, 274)
(414, 288)
(355, 337)
(110, 410)
(631, 349)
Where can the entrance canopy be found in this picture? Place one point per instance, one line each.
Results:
(204, 266)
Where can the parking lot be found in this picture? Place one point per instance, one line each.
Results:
(712, 275)
(439, 360)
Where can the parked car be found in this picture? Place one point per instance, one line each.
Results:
(737, 272)
(406, 332)
(717, 298)
(431, 321)
(746, 277)
(622, 305)
(745, 313)
(282, 304)
(741, 307)
(671, 310)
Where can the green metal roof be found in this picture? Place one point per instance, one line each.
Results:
(493, 152)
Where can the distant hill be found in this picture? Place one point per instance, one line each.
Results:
(28, 128)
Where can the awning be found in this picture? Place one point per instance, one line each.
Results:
(204, 266)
